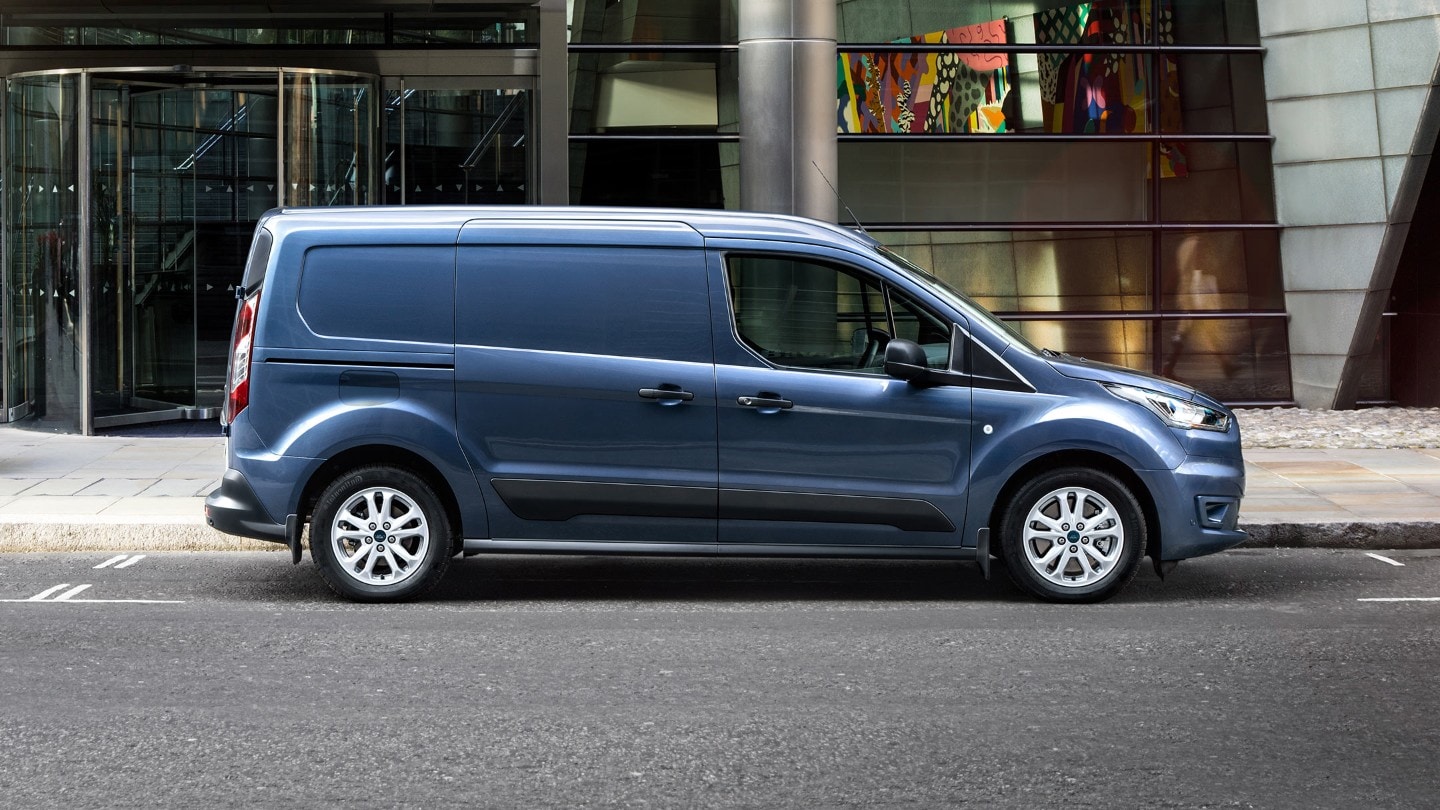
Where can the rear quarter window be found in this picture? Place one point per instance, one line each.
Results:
(380, 292)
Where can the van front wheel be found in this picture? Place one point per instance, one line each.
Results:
(1073, 535)
(379, 534)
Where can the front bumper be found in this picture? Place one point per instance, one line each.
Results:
(1198, 506)
(233, 508)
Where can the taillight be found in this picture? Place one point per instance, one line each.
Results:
(237, 385)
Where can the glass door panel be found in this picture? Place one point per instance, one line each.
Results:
(110, 293)
(42, 257)
(233, 175)
(458, 146)
(180, 175)
(328, 139)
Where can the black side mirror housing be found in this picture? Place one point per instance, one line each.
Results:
(905, 360)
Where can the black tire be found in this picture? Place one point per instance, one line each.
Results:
(394, 560)
(1095, 560)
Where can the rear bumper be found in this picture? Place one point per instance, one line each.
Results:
(233, 508)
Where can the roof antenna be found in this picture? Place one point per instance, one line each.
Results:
(838, 198)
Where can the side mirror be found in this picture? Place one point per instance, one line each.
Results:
(905, 360)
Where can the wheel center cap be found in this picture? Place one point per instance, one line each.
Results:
(381, 535)
(1072, 536)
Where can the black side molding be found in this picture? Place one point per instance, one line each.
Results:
(906, 514)
(532, 499)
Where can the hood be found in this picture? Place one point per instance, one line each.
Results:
(1081, 369)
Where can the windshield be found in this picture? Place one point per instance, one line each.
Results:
(957, 299)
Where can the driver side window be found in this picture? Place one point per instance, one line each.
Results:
(806, 314)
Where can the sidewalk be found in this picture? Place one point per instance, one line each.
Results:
(100, 493)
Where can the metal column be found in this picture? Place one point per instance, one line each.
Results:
(552, 107)
(787, 107)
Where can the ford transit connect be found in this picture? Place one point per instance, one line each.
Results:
(416, 383)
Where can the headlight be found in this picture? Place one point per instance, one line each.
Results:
(1175, 411)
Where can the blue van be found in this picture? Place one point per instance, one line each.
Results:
(416, 383)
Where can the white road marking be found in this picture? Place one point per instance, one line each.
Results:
(112, 560)
(105, 601)
(1379, 557)
(68, 597)
(1401, 599)
(131, 561)
(41, 596)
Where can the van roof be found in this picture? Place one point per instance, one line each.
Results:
(711, 224)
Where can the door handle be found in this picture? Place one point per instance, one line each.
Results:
(666, 393)
(766, 401)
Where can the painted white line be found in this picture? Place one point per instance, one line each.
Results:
(131, 561)
(1402, 599)
(104, 601)
(112, 560)
(66, 595)
(1379, 557)
(41, 595)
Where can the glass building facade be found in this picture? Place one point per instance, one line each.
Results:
(134, 173)
(1097, 173)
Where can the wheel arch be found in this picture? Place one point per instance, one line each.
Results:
(389, 455)
(1082, 458)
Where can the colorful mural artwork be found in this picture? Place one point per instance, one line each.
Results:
(1080, 93)
(927, 92)
(1109, 92)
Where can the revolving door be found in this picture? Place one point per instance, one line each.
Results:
(129, 200)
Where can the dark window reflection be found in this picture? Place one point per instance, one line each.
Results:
(1218, 93)
(685, 174)
(1215, 22)
(1224, 182)
(654, 93)
(1121, 342)
(653, 21)
(504, 27)
(1233, 359)
(1038, 271)
(1069, 181)
(1221, 270)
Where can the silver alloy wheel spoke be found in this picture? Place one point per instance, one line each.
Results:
(1056, 550)
(1073, 518)
(360, 554)
(366, 524)
(1093, 552)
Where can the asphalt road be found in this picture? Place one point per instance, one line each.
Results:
(1255, 678)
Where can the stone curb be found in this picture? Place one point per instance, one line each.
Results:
(46, 536)
(1377, 535)
(43, 536)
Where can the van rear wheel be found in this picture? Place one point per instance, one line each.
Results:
(380, 534)
(1073, 535)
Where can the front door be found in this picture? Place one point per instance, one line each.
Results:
(818, 447)
(585, 383)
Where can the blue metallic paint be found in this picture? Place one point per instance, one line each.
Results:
(555, 415)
